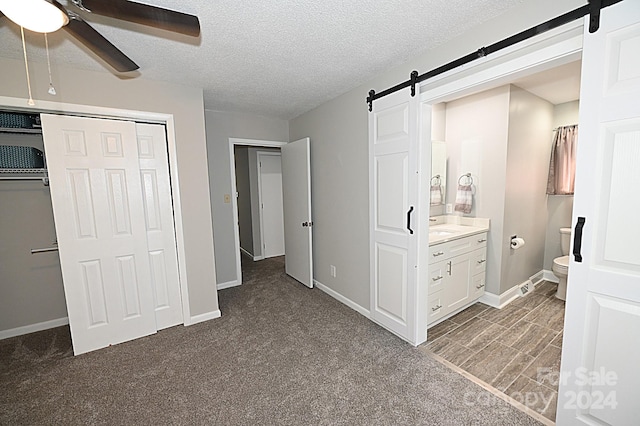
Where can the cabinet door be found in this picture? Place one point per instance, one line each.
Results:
(458, 277)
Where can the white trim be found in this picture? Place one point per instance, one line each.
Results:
(502, 300)
(93, 111)
(32, 328)
(234, 188)
(228, 284)
(204, 317)
(350, 303)
(550, 276)
(537, 278)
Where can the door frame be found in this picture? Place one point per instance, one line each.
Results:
(90, 111)
(260, 195)
(258, 143)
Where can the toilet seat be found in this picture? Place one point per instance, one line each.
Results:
(561, 264)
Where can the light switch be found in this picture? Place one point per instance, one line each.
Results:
(227, 198)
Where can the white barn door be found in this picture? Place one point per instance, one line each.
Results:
(100, 226)
(158, 214)
(599, 373)
(393, 198)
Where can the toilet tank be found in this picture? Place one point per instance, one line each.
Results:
(565, 240)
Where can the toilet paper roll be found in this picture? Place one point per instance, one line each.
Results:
(516, 243)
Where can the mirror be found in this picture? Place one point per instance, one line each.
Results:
(438, 172)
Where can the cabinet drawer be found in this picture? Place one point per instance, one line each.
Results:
(477, 286)
(437, 273)
(436, 309)
(478, 261)
(449, 249)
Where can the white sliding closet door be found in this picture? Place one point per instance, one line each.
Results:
(100, 225)
(158, 210)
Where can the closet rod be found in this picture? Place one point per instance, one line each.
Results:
(44, 250)
(592, 9)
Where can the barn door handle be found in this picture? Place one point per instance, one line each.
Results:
(577, 239)
(409, 220)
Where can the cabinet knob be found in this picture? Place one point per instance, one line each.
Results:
(482, 261)
(435, 308)
(482, 240)
(438, 253)
(439, 277)
(479, 286)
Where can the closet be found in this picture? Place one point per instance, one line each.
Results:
(111, 200)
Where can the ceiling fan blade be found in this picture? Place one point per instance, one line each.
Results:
(144, 14)
(99, 45)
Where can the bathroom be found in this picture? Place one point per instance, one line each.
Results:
(500, 141)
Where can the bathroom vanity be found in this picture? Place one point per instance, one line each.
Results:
(457, 262)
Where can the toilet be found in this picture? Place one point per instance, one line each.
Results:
(561, 264)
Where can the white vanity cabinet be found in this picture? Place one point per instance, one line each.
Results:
(456, 275)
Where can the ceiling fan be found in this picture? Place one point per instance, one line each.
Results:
(48, 15)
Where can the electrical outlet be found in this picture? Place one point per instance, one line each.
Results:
(449, 208)
(227, 198)
(333, 270)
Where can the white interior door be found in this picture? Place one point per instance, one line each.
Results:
(601, 349)
(393, 176)
(296, 191)
(102, 239)
(271, 205)
(158, 214)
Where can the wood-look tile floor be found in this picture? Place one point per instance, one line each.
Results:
(515, 349)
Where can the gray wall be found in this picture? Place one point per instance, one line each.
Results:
(220, 127)
(185, 104)
(528, 150)
(476, 134)
(243, 187)
(30, 285)
(339, 138)
(559, 207)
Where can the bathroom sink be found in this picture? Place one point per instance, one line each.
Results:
(442, 232)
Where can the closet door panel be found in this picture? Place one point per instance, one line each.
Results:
(158, 212)
(100, 225)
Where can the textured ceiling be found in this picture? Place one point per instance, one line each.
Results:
(277, 58)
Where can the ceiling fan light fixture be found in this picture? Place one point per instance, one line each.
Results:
(42, 16)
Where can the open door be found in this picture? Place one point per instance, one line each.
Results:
(296, 193)
(599, 372)
(102, 238)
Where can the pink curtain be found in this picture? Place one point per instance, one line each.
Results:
(562, 167)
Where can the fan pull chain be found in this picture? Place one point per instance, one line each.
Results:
(52, 90)
(26, 66)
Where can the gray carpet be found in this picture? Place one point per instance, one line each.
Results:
(280, 354)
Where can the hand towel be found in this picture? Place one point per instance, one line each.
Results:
(464, 199)
(436, 195)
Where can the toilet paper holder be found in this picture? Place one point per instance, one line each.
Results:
(515, 242)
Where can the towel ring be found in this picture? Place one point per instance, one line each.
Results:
(469, 179)
(435, 181)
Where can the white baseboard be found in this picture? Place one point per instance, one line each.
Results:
(502, 300)
(537, 278)
(32, 328)
(350, 303)
(228, 284)
(548, 276)
(204, 317)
